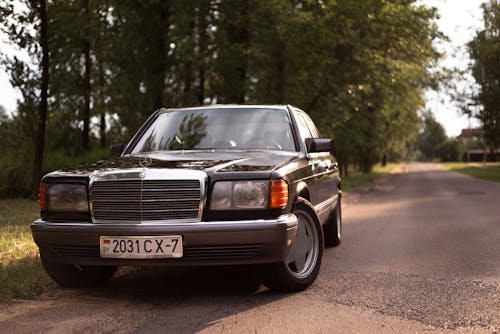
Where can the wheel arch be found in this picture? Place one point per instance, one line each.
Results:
(302, 190)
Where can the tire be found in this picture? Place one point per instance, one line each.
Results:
(333, 227)
(74, 276)
(301, 267)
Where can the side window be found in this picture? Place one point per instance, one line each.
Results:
(303, 128)
(314, 130)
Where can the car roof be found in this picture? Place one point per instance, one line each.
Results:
(228, 106)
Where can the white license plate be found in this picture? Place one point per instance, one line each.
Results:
(141, 247)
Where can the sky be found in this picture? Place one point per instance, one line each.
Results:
(459, 20)
(8, 95)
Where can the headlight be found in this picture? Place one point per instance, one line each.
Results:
(227, 195)
(222, 195)
(239, 195)
(66, 197)
(250, 194)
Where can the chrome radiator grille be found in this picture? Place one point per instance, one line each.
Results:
(145, 200)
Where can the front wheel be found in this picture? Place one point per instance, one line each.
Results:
(75, 276)
(301, 267)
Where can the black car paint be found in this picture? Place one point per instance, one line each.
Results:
(313, 176)
(310, 175)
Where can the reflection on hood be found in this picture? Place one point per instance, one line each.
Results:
(209, 161)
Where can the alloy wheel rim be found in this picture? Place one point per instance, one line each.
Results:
(303, 254)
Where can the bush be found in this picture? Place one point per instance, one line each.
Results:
(56, 160)
(16, 172)
(17, 153)
(450, 150)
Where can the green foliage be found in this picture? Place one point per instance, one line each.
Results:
(431, 137)
(484, 50)
(358, 178)
(487, 171)
(358, 68)
(450, 150)
(16, 152)
(58, 159)
(434, 145)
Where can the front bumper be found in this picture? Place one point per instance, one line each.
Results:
(204, 243)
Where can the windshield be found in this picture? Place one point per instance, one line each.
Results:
(218, 128)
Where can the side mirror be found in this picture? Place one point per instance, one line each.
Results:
(117, 149)
(320, 145)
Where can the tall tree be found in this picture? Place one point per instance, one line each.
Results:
(485, 53)
(44, 87)
(431, 137)
(233, 50)
(32, 37)
(87, 86)
(358, 68)
(202, 24)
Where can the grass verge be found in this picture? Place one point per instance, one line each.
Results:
(21, 273)
(487, 171)
(357, 178)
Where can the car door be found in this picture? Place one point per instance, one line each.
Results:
(325, 169)
(313, 162)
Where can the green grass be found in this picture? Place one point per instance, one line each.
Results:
(488, 171)
(357, 178)
(21, 274)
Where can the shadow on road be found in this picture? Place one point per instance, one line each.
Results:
(159, 282)
(180, 299)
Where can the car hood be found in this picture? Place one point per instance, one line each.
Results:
(209, 161)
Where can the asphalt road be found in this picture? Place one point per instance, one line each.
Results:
(420, 254)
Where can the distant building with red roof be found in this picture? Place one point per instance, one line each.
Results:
(471, 133)
(475, 149)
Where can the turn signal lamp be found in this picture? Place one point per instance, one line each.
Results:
(42, 196)
(278, 196)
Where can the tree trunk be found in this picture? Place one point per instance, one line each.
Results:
(201, 85)
(344, 169)
(87, 88)
(369, 156)
(241, 70)
(102, 109)
(44, 87)
(234, 73)
(203, 13)
(160, 70)
(187, 96)
(280, 80)
(384, 160)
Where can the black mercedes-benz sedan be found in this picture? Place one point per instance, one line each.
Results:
(212, 185)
